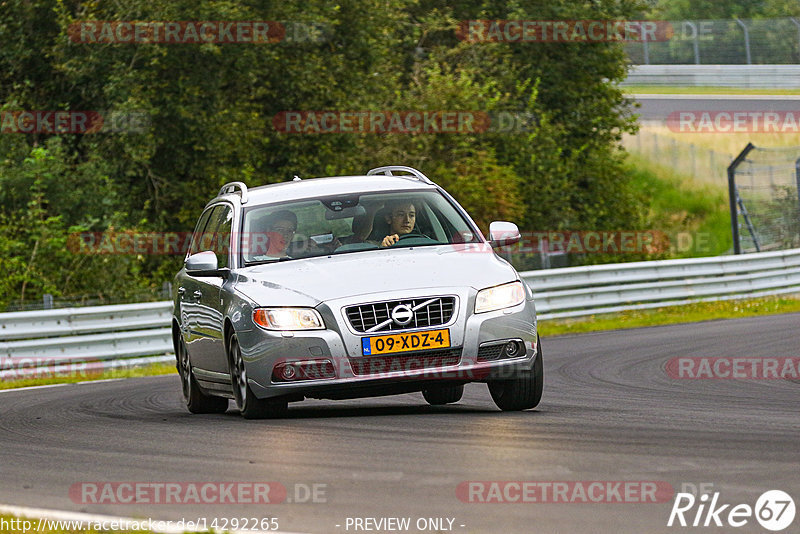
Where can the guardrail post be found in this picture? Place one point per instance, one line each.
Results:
(746, 40)
(695, 43)
(797, 23)
(645, 47)
(733, 196)
(544, 249)
(797, 179)
(674, 153)
(712, 166)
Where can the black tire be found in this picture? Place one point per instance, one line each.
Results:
(522, 392)
(249, 405)
(438, 395)
(196, 401)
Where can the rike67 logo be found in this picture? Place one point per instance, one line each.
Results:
(774, 510)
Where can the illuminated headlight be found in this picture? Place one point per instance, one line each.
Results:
(499, 297)
(288, 319)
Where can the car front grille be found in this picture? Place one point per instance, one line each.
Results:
(392, 363)
(376, 317)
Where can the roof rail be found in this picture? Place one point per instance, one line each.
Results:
(389, 169)
(231, 188)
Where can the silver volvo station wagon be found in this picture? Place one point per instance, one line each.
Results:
(348, 287)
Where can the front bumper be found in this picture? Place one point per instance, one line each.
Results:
(357, 375)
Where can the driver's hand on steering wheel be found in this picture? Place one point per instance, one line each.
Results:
(390, 240)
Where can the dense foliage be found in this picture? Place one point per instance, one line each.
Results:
(210, 110)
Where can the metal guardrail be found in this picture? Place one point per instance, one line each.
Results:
(766, 76)
(588, 290)
(93, 319)
(85, 340)
(103, 337)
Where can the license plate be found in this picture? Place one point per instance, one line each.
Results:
(411, 341)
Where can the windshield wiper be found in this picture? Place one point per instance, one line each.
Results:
(271, 260)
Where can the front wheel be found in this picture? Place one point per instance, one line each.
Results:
(196, 401)
(524, 391)
(250, 406)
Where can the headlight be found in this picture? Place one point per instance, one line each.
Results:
(499, 297)
(288, 318)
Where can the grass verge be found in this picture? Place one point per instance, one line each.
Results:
(710, 90)
(724, 143)
(70, 377)
(695, 216)
(689, 313)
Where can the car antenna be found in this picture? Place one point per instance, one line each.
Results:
(296, 178)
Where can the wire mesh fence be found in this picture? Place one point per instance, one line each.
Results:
(704, 165)
(765, 198)
(773, 41)
(51, 302)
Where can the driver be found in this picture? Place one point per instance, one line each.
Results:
(401, 218)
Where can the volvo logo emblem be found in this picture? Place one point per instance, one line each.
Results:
(402, 315)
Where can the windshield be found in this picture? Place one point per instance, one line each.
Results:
(352, 223)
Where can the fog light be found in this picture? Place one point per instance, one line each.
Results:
(288, 372)
(512, 349)
(303, 370)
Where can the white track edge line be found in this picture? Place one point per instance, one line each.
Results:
(709, 96)
(36, 387)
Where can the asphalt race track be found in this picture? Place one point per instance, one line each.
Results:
(609, 413)
(659, 107)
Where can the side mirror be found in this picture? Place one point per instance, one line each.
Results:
(502, 233)
(204, 264)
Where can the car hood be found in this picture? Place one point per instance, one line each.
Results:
(307, 282)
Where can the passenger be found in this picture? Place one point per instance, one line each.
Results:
(280, 227)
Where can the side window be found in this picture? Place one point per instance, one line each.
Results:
(198, 232)
(217, 234)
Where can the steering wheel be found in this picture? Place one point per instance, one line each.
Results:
(411, 235)
(420, 239)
